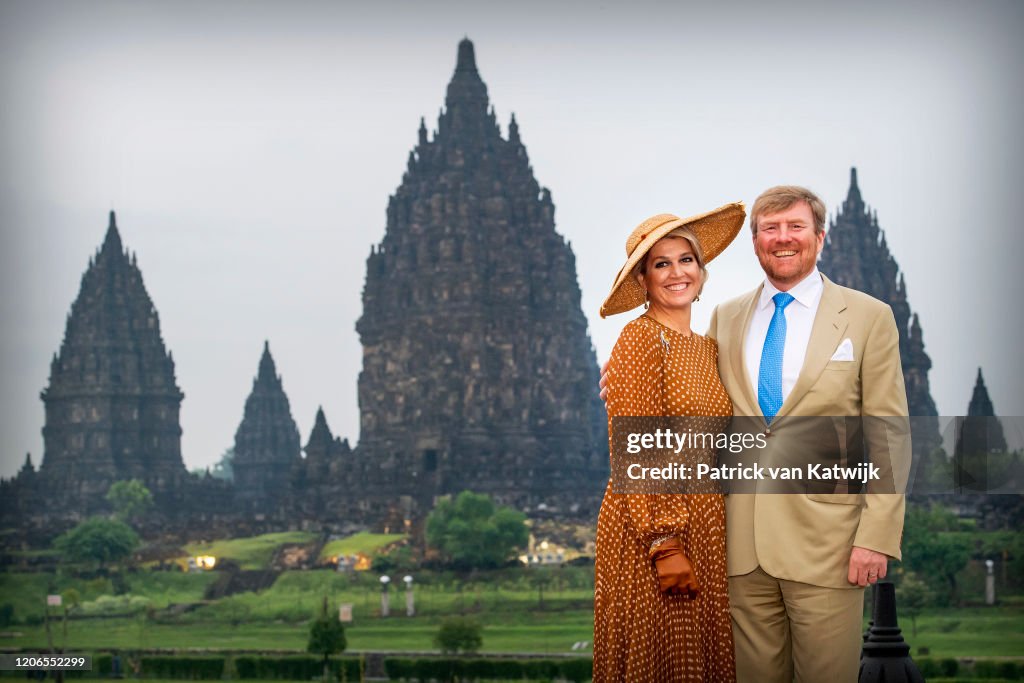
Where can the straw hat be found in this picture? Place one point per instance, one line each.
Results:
(715, 230)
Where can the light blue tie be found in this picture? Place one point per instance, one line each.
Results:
(769, 377)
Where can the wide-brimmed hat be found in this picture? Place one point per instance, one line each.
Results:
(715, 230)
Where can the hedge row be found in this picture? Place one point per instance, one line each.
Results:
(982, 669)
(295, 668)
(194, 668)
(451, 669)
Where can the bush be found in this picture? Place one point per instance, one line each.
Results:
(470, 532)
(576, 670)
(459, 634)
(928, 667)
(97, 541)
(949, 667)
(115, 604)
(6, 614)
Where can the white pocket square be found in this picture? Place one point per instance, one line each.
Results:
(844, 351)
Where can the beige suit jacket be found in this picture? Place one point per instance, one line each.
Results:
(808, 537)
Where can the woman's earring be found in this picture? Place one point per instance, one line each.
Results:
(646, 299)
(696, 298)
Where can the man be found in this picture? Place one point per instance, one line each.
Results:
(800, 346)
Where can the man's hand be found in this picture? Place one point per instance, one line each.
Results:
(866, 566)
(675, 573)
(604, 381)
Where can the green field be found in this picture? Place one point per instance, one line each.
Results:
(507, 602)
(250, 553)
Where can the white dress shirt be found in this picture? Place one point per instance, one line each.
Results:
(799, 320)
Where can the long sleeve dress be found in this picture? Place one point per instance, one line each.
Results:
(642, 635)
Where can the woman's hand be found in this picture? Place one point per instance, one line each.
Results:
(675, 573)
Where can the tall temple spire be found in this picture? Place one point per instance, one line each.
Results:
(856, 255)
(112, 240)
(466, 101)
(472, 274)
(467, 57)
(981, 404)
(267, 370)
(853, 198)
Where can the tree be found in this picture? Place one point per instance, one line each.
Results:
(97, 540)
(130, 499)
(933, 551)
(326, 636)
(459, 634)
(225, 467)
(471, 533)
(913, 595)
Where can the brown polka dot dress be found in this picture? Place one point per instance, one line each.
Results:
(641, 634)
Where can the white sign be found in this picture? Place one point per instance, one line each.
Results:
(345, 613)
(53, 601)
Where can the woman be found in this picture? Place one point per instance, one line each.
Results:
(661, 606)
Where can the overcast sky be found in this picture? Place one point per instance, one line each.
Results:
(249, 150)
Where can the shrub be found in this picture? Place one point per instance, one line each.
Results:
(459, 634)
(949, 667)
(928, 667)
(576, 670)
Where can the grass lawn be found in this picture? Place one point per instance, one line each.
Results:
(528, 633)
(968, 632)
(973, 632)
(362, 542)
(253, 552)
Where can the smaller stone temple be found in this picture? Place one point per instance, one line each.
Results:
(266, 443)
(980, 430)
(112, 402)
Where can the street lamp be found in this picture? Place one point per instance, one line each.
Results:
(990, 583)
(410, 606)
(384, 607)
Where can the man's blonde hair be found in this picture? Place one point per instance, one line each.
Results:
(780, 198)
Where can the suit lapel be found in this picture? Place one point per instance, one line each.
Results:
(827, 331)
(737, 358)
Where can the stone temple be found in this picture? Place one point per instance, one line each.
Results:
(478, 372)
(112, 401)
(856, 255)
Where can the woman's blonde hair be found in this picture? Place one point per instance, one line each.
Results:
(698, 252)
